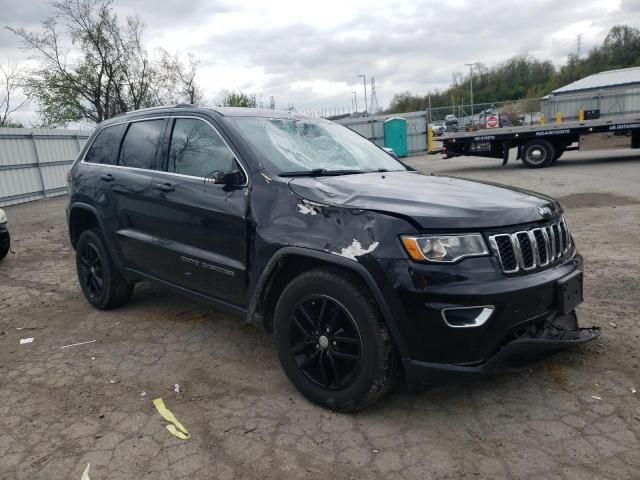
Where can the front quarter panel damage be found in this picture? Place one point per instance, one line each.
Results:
(350, 233)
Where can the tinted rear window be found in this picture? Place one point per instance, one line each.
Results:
(142, 144)
(104, 148)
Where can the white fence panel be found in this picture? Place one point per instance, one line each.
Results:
(34, 162)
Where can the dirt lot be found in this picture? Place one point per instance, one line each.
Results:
(573, 417)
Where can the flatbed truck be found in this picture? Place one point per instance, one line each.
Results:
(539, 146)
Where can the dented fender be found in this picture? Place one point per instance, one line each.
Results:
(382, 293)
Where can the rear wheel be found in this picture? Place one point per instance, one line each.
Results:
(538, 154)
(558, 154)
(332, 342)
(103, 286)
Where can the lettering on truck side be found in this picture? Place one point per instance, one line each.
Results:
(552, 132)
(624, 127)
(485, 137)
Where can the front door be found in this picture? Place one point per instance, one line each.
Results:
(203, 223)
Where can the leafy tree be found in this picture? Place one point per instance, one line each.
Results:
(238, 99)
(524, 77)
(92, 66)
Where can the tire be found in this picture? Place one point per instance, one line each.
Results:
(5, 246)
(356, 330)
(538, 154)
(559, 152)
(103, 286)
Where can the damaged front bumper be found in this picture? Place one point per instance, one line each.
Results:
(536, 342)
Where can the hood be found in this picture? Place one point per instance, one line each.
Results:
(431, 201)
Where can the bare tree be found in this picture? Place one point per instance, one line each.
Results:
(11, 96)
(177, 79)
(92, 66)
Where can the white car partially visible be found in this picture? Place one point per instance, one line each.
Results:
(5, 238)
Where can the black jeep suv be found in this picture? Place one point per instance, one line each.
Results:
(360, 266)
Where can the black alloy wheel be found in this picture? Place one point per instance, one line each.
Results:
(325, 342)
(103, 285)
(333, 343)
(92, 275)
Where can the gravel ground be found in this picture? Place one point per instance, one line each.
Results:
(575, 416)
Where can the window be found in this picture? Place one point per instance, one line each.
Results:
(197, 150)
(104, 148)
(142, 144)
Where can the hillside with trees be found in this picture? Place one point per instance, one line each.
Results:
(523, 77)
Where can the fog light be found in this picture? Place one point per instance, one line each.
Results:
(466, 317)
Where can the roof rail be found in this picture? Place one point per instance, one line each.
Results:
(177, 105)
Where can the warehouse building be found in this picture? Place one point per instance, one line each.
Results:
(607, 94)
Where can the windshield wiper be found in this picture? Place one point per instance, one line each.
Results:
(318, 172)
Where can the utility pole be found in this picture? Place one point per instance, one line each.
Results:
(579, 44)
(374, 107)
(364, 82)
(470, 65)
(355, 99)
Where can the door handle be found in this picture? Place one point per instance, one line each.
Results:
(165, 187)
(107, 177)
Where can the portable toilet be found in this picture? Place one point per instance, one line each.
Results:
(395, 135)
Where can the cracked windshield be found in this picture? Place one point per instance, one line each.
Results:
(291, 145)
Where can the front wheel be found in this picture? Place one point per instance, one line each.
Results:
(538, 154)
(332, 342)
(103, 286)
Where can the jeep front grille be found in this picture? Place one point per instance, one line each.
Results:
(528, 250)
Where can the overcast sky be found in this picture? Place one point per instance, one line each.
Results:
(309, 54)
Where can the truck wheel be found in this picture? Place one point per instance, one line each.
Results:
(4, 249)
(103, 286)
(538, 153)
(559, 152)
(332, 341)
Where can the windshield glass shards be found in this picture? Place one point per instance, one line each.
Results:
(297, 146)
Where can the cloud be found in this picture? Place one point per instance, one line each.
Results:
(310, 53)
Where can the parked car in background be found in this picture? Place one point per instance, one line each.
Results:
(437, 129)
(451, 123)
(5, 238)
(362, 268)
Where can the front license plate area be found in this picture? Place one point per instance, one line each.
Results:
(569, 291)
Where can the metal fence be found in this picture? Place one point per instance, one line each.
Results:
(518, 112)
(34, 162)
(611, 101)
(372, 127)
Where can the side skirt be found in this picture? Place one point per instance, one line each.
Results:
(221, 304)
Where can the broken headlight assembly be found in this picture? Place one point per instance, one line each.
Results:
(444, 248)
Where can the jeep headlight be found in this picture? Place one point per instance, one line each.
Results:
(3, 216)
(444, 248)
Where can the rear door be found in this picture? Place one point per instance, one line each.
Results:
(129, 198)
(203, 223)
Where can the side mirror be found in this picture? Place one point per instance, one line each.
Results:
(229, 178)
(390, 152)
